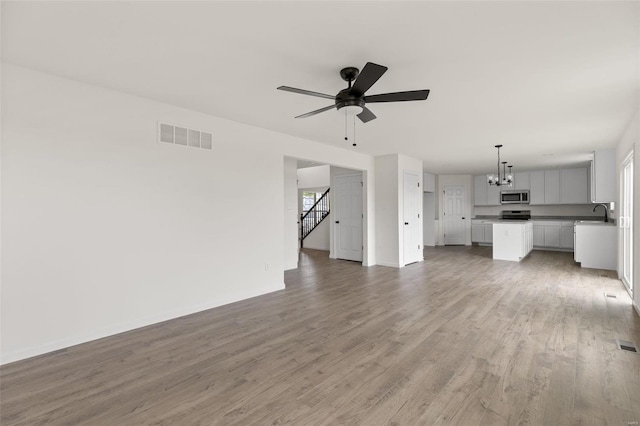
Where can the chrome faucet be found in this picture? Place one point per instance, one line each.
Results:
(606, 209)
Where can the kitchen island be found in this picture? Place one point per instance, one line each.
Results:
(512, 240)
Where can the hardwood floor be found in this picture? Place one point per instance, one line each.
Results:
(457, 339)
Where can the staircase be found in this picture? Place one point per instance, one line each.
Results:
(316, 214)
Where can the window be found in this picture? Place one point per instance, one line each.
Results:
(309, 199)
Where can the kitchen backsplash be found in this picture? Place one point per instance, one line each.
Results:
(561, 210)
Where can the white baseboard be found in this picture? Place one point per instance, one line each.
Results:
(389, 264)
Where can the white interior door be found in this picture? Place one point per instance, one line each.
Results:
(347, 214)
(454, 214)
(411, 212)
(626, 223)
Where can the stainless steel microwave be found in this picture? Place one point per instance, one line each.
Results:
(514, 197)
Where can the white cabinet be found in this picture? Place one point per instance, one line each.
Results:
(480, 188)
(536, 180)
(477, 232)
(488, 233)
(521, 181)
(603, 176)
(552, 186)
(545, 187)
(566, 235)
(493, 194)
(559, 186)
(596, 245)
(512, 241)
(481, 231)
(485, 194)
(574, 186)
(553, 234)
(538, 235)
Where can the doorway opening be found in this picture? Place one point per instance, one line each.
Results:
(626, 222)
(340, 232)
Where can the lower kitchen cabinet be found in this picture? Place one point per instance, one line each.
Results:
(538, 235)
(553, 234)
(512, 240)
(481, 232)
(596, 246)
(566, 235)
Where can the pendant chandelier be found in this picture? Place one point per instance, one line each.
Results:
(504, 178)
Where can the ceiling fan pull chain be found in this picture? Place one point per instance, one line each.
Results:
(345, 126)
(354, 130)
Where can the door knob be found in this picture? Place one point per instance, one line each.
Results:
(337, 221)
(406, 223)
(463, 218)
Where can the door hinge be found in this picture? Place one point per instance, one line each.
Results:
(362, 215)
(418, 184)
(361, 184)
(418, 215)
(418, 246)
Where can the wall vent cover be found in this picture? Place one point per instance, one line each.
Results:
(610, 295)
(177, 135)
(626, 346)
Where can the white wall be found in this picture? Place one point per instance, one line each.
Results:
(389, 173)
(105, 230)
(314, 177)
(319, 238)
(387, 211)
(467, 182)
(631, 141)
(290, 213)
(429, 217)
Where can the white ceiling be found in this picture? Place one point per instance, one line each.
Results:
(551, 81)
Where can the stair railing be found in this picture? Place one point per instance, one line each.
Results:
(316, 214)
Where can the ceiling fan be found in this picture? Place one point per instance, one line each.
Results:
(353, 99)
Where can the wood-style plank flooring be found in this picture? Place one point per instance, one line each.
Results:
(457, 339)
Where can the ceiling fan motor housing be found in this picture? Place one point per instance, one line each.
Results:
(344, 99)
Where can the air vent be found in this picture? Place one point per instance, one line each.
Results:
(177, 135)
(610, 295)
(626, 346)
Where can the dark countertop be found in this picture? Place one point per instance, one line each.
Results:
(565, 218)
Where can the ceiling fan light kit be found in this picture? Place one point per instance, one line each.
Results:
(352, 100)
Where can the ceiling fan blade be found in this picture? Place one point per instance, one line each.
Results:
(318, 111)
(412, 95)
(305, 92)
(367, 78)
(366, 115)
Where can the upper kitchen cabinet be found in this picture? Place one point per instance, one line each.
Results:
(493, 194)
(552, 186)
(480, 188)
(559, 186)
(603, 176)
(574, 186)
(521, 181)
(536, 180)
(485, 194)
